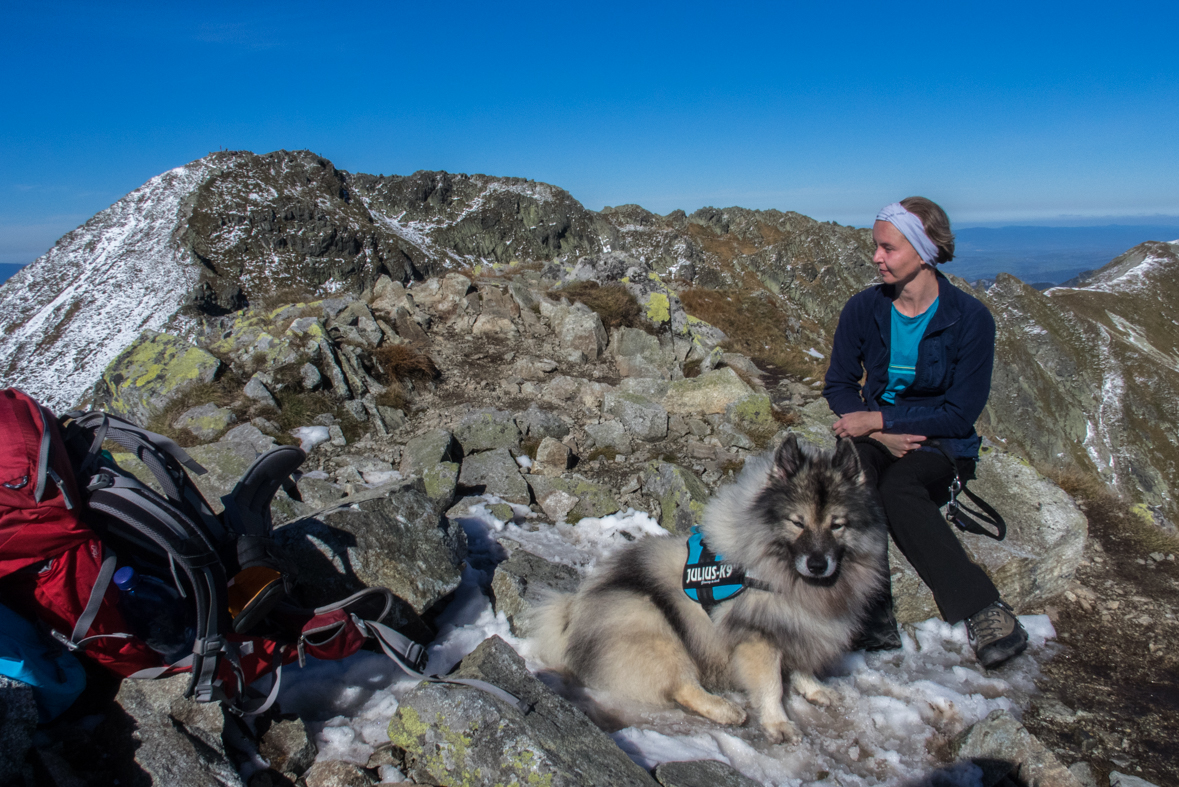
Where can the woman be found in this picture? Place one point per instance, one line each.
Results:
(924, 350)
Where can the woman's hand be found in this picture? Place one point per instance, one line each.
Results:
(858, 424)
(899, 444)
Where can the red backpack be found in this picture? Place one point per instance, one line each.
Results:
(69, 516)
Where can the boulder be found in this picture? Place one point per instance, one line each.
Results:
(578, 329)
(144, 378)
(524, 580)
(711, 392)
(552, 458)
(258, 390)
(610, 434)
(427, 450)
(486, 429)
(452, 733)
(639, 354)
(532, 368)
(753, 415)
(536, 422)
(641, 417)
(250, 435)
(681, 495)
(701, 773)
(594, 500)
(440, 482)
(495, 472)
(1045, 537)
(178, 740)
(392, 537)
(206, 421)
(653, 388)
(1000, 737)
(334, 773)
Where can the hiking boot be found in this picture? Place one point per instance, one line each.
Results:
(996, 635)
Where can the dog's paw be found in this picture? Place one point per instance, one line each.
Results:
(812, 691)
(821, 696)
(725, 712)
(780, 731)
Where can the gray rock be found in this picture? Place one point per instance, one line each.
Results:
(1045, 537)
(484, 430)
(592, 499)
(537, 422)
(552, 458)
(732, 437)
(610, 434)
(257, 390)
(701, 773)
(334, 773)
(356, 409)
(1125, 780)
(562, 388)
(310, 377)
(392, 537)
(522, 581)
(1000, 737)
(711, 392)
(427, 450)
(319, 493)
(497, 473)
(441, 481)
(206, 421)
(578, 329)
(1083, 773)
(753, 415)
(531, 368)
(447, 729)
(150, 373)
(18, 720)
(178, 740)
(251, 436)
(337, 436)
(741, 364)
(681, 495)
(640, 416)
(653, 388)
(639, 354)
(556, 503)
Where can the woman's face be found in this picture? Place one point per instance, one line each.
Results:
(896, 260)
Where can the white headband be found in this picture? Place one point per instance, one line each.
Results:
(913, 230)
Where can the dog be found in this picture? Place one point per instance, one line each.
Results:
(807, 532)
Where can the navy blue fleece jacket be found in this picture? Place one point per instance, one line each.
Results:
(954, 361)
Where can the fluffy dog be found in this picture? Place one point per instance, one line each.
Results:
(805, 529)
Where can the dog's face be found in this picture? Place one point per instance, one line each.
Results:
(817, 510)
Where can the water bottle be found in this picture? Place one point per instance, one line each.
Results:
(156, 613)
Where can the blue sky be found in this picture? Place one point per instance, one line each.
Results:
(1003, 112)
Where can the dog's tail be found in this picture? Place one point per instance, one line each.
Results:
(548, 624)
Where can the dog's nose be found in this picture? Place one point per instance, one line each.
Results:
(816, 563)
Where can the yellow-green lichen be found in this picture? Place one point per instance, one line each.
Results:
(658, 307)
(1141, 511)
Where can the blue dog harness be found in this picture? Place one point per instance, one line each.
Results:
(710, 579)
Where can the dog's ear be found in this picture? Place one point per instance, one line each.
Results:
(789, 458)
(847, 461)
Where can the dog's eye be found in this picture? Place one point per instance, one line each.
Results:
(797, 522)
(837, 525)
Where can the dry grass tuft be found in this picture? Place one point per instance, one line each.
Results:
(397, 365)
(612, 302)
(1099, 502)
(755, 326)
(225, 391)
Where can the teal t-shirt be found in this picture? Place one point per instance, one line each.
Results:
(902, 358)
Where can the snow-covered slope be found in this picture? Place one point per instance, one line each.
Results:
(67, 315)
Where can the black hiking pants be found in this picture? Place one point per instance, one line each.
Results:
(912, 489)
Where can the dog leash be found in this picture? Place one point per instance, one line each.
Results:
(961, 517)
